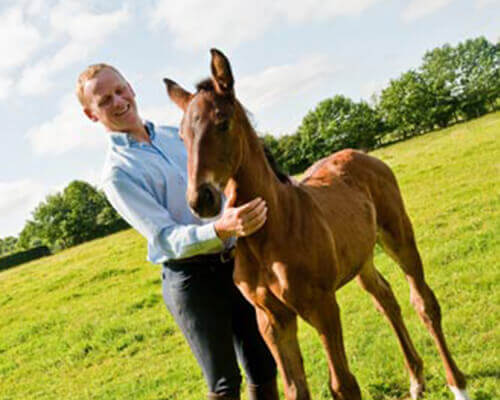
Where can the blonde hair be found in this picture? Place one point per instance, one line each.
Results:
(89, 73)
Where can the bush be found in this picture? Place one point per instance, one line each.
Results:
(23, 256)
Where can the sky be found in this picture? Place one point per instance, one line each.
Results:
(286, 57)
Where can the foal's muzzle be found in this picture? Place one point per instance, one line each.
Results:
(206, 201)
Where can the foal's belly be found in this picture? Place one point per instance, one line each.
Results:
(351, 219)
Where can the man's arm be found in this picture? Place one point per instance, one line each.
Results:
(141, 210)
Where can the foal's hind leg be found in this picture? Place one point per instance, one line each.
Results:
(324, 315)
(398, 240)
(383, 297)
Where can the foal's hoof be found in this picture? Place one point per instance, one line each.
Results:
(417, 390)
(460, 394)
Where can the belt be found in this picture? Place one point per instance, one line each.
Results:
(223, 257)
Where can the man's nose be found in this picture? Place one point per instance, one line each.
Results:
(118, 101)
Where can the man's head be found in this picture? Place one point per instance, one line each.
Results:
(107, 97)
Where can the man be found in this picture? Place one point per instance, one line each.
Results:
(145, 180)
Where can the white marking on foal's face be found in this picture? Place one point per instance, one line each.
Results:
(210, 179)
(460, 394)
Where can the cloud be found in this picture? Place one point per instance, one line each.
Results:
(167, 114)
(73, 18)
(372, 88)
(18, 39)
(81, 32)
(12, 194)
(17, 200)
(6, 83)
(279, 83)
(486, 3)
(67, 131)
(200, 24)
(420, 8)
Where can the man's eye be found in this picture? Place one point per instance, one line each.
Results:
(103, 102)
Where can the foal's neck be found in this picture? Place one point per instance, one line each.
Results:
(255, 177)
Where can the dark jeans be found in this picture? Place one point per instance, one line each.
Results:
(219, 325)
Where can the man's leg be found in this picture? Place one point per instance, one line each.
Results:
(199, 299)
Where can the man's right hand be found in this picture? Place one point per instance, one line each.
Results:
(241, 221)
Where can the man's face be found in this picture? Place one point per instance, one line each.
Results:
(110, 100)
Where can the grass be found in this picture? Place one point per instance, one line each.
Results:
(89, 322)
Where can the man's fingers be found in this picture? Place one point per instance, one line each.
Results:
(251, 213)
(255, 223)
(249, 205)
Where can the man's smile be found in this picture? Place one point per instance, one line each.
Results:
(123, 111)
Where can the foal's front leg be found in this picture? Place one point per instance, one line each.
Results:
(324, 315)
(279, 330)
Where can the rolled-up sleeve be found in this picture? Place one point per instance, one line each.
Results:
(153, 221)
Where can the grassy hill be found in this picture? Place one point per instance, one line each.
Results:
(89, 322)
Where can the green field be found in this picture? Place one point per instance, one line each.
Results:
(89, 322)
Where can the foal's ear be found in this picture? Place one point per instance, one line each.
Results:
(177, 94)
(221, 72)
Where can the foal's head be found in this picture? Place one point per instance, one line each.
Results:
(210, 130)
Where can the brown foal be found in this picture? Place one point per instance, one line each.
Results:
(320, 234)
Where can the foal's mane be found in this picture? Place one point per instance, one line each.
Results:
(208, 85)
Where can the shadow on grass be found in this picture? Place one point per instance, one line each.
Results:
(480, 395)
(386, 390)
(487, 373)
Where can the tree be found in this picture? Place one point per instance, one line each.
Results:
(78, 214)
(50, 219)
(8, 245)
(439, 72)
(338, 123)
(29, 237)
(478, 71)
(405, 105)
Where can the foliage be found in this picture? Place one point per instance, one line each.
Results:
(404, 105)
(89, 322)
(478, 65)
(334, 124)
(439, 73)
(78, 214)
(8, 244)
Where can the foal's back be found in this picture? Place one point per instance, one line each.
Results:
(357, 194)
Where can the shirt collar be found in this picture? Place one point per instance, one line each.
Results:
(124, 139)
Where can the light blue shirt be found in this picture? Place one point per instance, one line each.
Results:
(146, 184)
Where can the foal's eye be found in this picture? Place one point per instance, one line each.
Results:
(223, 126)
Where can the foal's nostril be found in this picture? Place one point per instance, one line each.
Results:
(206, 196)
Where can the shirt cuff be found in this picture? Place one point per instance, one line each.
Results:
(208, 232)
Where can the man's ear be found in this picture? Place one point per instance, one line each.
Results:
(90, 115)
(177, 94)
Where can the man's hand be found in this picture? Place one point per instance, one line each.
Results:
(241, 221)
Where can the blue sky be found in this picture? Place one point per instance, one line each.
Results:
(286, 56)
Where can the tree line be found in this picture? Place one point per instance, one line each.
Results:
(452, 84)
(77, 214)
